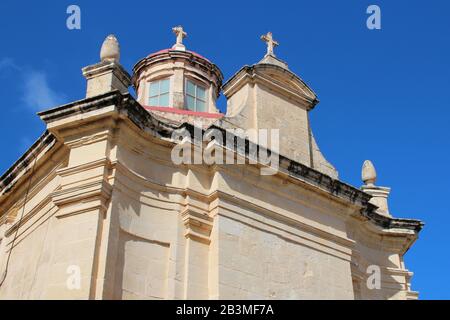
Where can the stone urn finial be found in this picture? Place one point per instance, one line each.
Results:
(369, 175)
(110, 50)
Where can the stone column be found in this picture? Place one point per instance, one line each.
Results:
(177, 86)
(83, 202)
(83, 198)
(198, 226)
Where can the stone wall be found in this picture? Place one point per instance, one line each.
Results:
(108, 199)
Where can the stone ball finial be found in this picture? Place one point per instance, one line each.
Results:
(110, 50)
(369, 175)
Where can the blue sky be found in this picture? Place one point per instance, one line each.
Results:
(384, 93)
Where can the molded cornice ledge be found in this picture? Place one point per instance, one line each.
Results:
(124, 106)
(23, 165)
(109, 105)
(85, 198)
(286, 82)
(335, 188)
(89, 193)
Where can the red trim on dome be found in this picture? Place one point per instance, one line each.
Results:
(185, 112)
(188, 51)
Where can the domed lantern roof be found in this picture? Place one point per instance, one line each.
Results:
(177, 78)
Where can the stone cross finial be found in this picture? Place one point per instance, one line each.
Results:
(271, 43)
(181, 34)
(368, 175)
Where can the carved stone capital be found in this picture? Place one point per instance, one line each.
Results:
(198, 224)
(83, 188)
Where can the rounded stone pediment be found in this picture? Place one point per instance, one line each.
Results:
(287, 79)
(276, 78)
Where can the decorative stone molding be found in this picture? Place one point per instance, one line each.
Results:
(22, 166)
(286, 83)
(83, 189)
(81, 199)
(198, 224)
(126, 105)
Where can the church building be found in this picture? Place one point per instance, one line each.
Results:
(159, 195)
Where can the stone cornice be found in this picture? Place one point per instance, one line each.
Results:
(106, 66)
(256, 72)
(324, 182)
(98, 192)
(46, 140)
(197, 223)
(128, 108)
(369, 211)
(124, 104)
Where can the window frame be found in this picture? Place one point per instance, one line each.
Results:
(159, 94)
(196, 98)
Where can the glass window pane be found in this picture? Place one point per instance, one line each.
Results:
(190, 88)
(164, 100)
(153, 101)
(164, 86)
(201, 93)
(154, 88)
(190, 103)
(200, 106)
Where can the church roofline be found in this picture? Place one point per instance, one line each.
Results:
(169, 49)
(128, 106)
(227, 87)
(7, 179)
(184, 112)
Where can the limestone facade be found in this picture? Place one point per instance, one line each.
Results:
(98, 193)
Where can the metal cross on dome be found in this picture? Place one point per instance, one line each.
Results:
(271, 43)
